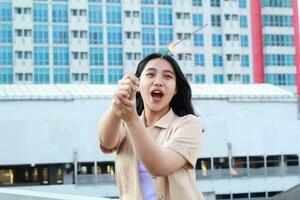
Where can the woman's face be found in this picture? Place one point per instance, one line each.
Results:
(157, 85)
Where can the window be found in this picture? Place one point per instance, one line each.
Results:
(245, 60)
(41, 75)
(147, 16)
(215, 3)
(97, 76)
(278, 20)
(113, 15)
(41, 56)
(199, 60)
(165, 16)
(216, 40)
(287, 60)
(217, 60)
(6, 75)
(278, 40)
(198, 40)
(215, 20)
(147, 1)
(148, 36)
(61, 75)
(246, 79)
(40, 12)
(60, 13)
(281, 79)
(95, 35)
(218, 79)
(243, 21)
(95, 14)
(243, 3)
(5, 12)
(244, 40)
(277, 3)
(96, 57)
(5, 33)
(60, 56)
(60, 35)
(197, 20)
(164, 2)
(147, 51)
(40, 34)
(114, 35)
(113, 1)
(115, 56)
(114, 75)
(95, 1)
(165, 35)
(197, 3)
(200, 78)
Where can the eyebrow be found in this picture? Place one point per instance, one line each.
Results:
(168, 71)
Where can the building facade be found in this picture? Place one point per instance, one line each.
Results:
(97, 41)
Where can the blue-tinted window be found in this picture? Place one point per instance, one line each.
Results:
(281, 79)
(61, 75)
(217, 60)
(197, 19)
(96, 57)
(6, 75)
(278, 40)
(246, 79)
(60, 35)
(113, 1)
(198, 40)
(40, 12)
(147, 51)
(148, 36)
(277, 3)
(215, 3)
(40, 34)
(60, 13)
(147, 16)
(97, 76)
(244, 41)
(95, 1)
(243, 21)
(164, 2)
(245, 60)
(114, 75)
(114, 35)
(95, 14)
(243, 3)
(165, 36)
(147, 2)
(218, 79)
(165, 16)
(115, 56)
(95, 35)
(5, 33)
(6, 55)
(113, 15)
(197, 2)
(41, 75)
(199, 60)
(5, 12)
(278, 20)
(216, 20)
(287, 60)
(200, 78)
(216, 40)
(41, 56)
(60, 56)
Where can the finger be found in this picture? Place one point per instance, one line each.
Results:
(124, 101)
(123, 93)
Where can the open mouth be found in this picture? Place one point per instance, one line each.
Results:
(157, 95)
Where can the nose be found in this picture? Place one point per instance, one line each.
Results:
(158, 82)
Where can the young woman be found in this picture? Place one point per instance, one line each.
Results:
(153, 129)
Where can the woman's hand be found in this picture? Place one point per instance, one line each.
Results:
(124, 98)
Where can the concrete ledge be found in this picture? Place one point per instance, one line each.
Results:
(15, 194)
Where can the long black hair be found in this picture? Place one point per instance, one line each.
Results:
(181, 102)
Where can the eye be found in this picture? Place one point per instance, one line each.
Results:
(150, 74)
(168, 76)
